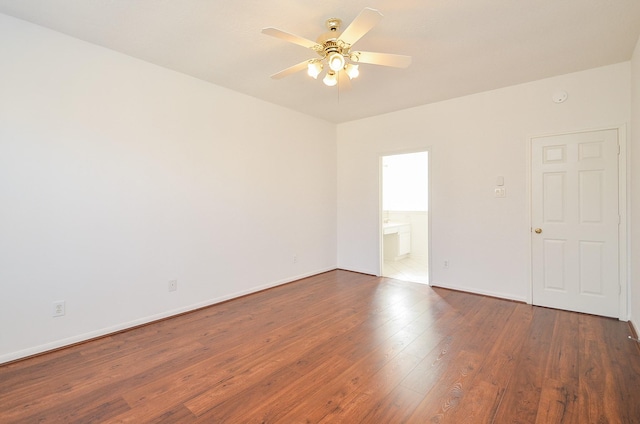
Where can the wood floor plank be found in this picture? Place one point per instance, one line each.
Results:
(394, 407)
(447, 394)
(91, 379)
(609, 373)
(357, 405)
(468, 335)
(224, 368)
(228, 408)
(560, 390)
(254, 369)
(339, 390)
(273, 408)
(340, 347)
(178, 414)
(623, 363)
(486, 390)
(354, 351)
(592, 384)
(522, 397)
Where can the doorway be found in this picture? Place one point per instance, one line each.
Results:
(404, 224)
(575, 222)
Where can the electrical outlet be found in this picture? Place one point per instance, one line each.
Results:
(295, 259)
(173, 285)
(58, 309)
(445, 264)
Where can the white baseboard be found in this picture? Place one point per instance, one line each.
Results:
(13, 356)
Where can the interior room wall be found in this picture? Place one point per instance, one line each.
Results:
(472, 141)
(635, 187)
(117, 176)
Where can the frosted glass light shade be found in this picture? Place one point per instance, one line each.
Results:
(352, 71)
(314, 69)
(336, 62)
(330, 79)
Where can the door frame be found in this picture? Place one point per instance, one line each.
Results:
(381, 155)
(623, 250)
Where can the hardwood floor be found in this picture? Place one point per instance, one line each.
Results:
(341, 347)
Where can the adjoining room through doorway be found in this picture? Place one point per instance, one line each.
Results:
(405, 219)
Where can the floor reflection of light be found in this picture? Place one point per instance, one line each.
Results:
(399, 307)
(395, 312)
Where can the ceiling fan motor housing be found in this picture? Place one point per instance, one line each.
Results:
(333, 24)
(331, 46)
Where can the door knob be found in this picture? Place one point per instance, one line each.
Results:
(538, 230)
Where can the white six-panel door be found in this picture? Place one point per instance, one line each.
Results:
(575, 219)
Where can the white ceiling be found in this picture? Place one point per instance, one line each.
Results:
(459, 47)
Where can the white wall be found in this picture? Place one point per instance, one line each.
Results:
(635, 187)
(117, 176)
(472, 140)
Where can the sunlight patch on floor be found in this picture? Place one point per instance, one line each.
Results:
(408, 269)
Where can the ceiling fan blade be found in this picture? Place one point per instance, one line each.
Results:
(366, 20)
(295, 39)
(290, 70)
(384, 59)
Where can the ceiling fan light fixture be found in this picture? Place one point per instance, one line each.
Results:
(336, 62)
(335, 50)
(314, 68)
(352, 70)
(330, 79)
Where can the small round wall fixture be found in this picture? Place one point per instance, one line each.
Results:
(559, 96)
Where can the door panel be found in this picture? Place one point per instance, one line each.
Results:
(574, 186)
(553, 192)
(554, 262)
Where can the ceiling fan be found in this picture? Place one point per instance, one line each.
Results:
(336, 53)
